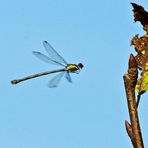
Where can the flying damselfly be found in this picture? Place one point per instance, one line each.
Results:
(53, 58)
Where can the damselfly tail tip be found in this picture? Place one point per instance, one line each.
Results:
(14, 82)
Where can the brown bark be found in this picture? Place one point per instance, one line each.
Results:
(133, 128)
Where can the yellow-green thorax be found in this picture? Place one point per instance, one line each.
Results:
(72, 67)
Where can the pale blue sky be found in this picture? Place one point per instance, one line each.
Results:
(89, 113)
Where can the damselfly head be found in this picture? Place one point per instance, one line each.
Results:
(80, 65)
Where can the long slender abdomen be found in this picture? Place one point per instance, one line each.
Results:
(36, 75)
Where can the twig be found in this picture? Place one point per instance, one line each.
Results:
(129, 130)
(139, 97)
(130, 80)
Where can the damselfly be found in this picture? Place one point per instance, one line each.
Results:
(53, 58)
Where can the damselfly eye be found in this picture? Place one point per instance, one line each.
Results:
(81, 65)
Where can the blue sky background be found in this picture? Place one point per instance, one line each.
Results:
(89, 113)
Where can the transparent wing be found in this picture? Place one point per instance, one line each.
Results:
(68, 77)
(45, 58)
(55, 80)
(53, 54)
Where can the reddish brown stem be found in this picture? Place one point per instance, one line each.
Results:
(133, 129)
